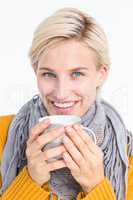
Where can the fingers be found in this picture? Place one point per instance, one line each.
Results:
(51, 153)
(37, 130)
(39, 159)
(87, 140)
(82, 133)
(43, 139)
(82, 147)
(70, 163)
(48, 154)
(56, 165)
(38, 143)
(73, 151)
(83, 141)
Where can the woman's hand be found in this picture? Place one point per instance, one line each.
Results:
(83, 158)
(37, 165)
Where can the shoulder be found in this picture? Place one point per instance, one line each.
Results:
(5, 121)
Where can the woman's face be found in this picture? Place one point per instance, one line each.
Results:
(67, 78)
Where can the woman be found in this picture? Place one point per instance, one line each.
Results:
(69, 55)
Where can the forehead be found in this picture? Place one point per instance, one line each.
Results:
(68, 54)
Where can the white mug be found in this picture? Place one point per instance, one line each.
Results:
(57, 121)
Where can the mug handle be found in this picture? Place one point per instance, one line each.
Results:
(92, 133)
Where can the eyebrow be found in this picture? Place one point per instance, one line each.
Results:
(74, 69)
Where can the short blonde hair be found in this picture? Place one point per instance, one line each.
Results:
(66, 24)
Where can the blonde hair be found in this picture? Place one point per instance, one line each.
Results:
(66, 24)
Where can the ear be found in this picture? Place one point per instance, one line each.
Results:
(102, 74)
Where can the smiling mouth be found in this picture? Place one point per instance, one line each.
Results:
(64, 104)
(65, 107)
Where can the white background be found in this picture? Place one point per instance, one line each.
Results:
(18, 20)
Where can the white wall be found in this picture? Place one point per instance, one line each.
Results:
(18, 20)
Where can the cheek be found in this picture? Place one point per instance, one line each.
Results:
(87, 86)
(87, 90)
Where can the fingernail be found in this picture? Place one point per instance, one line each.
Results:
(68, 128)
(76, 126)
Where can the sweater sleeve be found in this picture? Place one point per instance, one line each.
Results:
(130, 180)
(102, 191)
(23, 187)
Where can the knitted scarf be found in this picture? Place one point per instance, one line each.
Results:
(111, 134)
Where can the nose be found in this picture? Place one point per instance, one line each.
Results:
(62, 90)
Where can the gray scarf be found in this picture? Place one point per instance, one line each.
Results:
(111, 134)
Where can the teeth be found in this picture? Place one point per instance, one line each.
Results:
(64, 105)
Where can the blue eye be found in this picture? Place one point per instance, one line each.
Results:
(49, 75)
(77, 74)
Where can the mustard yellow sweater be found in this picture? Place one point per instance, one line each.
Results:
(24, 188)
